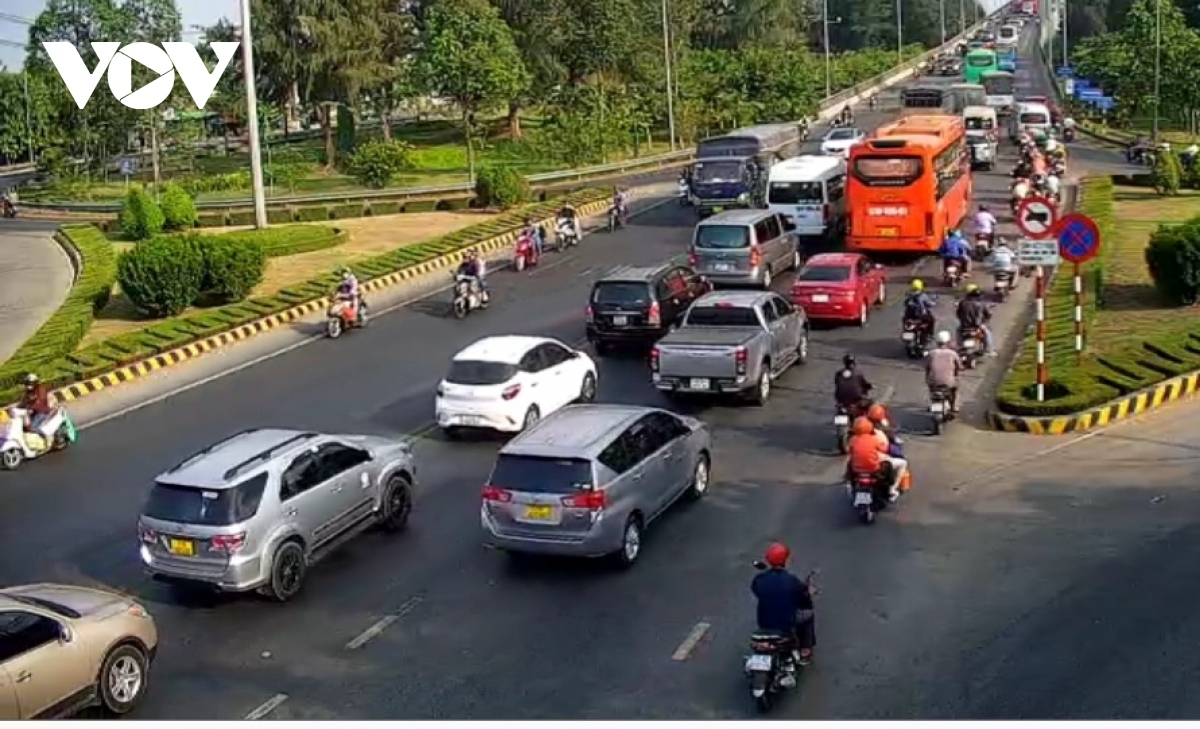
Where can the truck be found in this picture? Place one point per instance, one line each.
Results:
(731, 343)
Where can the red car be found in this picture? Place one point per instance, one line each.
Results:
(839, 287)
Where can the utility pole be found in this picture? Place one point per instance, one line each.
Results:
(942, 17)
(1157, 64)
(825, 22)
(256, 171)
(899, 32)
(962, 17)
(28, 114)
(667, 63)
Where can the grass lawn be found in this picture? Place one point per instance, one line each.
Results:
(368, 237)
(438, 158)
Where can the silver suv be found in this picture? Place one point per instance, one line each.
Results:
(256, 510)
(587, 480)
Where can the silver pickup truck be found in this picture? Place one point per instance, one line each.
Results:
(731, 342)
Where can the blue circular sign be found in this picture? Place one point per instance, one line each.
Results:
(1078, 238)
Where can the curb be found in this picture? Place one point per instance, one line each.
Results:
(1168, 391)
(141, 368)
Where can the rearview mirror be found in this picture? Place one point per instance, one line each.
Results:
(64, 633)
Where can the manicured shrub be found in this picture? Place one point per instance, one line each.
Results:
(179, 210)
(141, 217)
(232, 267)
(501, 187)
(1173, 257)
(162, 276)
(1168, 173)
(376, 164)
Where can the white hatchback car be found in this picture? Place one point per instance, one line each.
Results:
(509, 383)
(839, 141)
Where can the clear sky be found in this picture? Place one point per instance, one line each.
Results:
(195, 12)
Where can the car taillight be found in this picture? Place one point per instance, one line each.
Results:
(755, 256)
(227, 543)
(588, 315)
(497, 494)
(655, 316)
(740, 357)
(510, 392)
(590, 500)
(928, 223)
(848, 295)
(692, 259)
(654, 359)
(147, 535)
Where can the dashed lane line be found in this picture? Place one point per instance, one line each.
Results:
(381, 625)
(265, 708)
(684, 651)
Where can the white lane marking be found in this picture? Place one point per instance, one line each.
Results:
(266, 707)
(690, 642)
(381, 625)
(296, 345)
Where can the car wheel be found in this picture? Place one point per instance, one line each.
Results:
(700, 478)
(631, 542)
(762, 390)
(532, 416)
(766, 277)
(881, 299)
(396, 504)
(122, 681)
(452, 433)
(287, 572)
(802, 348)
(587, 390)
(863, 314)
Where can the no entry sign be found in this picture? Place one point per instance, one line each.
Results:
(1036, 217)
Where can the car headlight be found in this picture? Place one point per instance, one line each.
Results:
(743, 197)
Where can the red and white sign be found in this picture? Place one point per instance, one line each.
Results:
(1036, 217)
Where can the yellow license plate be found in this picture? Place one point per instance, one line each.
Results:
(718, 210)
(889, 232)
(181, 547)
(538, 513)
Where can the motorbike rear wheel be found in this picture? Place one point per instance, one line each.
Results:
(333, 327)
(866, 515)
(460, 307)
(11, 459)
(519, 263)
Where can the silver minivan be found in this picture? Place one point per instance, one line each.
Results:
(588, 480)
(745, 247)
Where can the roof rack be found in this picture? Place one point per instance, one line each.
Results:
(201, 453)
(266, 455)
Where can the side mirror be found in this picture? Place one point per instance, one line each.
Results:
(64, 633)
(759, 564)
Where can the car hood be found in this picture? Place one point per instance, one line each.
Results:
(86, 601)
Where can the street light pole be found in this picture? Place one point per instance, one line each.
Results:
(899, 31)
(962, 17)
(1065, 56)
(828, 59)
(1157, 62)
(28, 114)
(942, 17)
(667, 63)
(256, 171)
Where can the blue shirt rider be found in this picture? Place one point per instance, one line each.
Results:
(472, 267)
(785, 603)
(955, 249)
(919, 306)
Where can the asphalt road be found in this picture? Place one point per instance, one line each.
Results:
(928, 614)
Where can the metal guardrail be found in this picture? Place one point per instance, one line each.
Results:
(828, 106)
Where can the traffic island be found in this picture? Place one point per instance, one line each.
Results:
(1133, 351)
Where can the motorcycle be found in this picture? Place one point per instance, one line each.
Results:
(915, 336)
(20, 445)
(1004, 281)
(970, 347)
(983, 246)
(565, 235)
(684, 194)
(939, 408)
(867, 496)
(525, 255)
(8, 210)
(951, 274)
(468, 296)
(1068, 134)
(343, 315)
(771, 666)
(616, 217)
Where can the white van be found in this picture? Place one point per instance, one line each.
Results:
(1009, 35)
(811, 190)
(1034, 117)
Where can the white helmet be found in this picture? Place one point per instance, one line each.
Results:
(1051, 145)
(943, 337)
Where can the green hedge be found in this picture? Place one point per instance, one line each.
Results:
(289, 239)
(173, 333)
(63, 331)
(1102, 375)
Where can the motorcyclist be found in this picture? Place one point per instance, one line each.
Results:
(568, 217)
(785, 603)
(889, 437)
(1039, 183)
(873, 102)
(919, 306)
(985, 223)
(973, 313)
(473, 269)
(684, 186)
(847, 115)
(868, 454)
(1003, 259)
(942, 368)
(534, 233)
(1021, 189)
(1188, 156)
(36, 400)
(349, 291)
(1055, 151)
(805, 128)
(1052, 186)
(1138, 148)
(955, 250)
(851, 389)
(620, 203)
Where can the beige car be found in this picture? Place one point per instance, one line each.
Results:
(65, 648)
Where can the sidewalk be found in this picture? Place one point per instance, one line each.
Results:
(35, 276)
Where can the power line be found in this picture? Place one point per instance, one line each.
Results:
(15, 19)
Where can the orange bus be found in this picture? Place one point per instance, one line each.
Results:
(909, 185)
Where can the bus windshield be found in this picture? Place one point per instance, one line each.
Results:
(998, 85)
(897, 171)
(719, 171)
(793, 193)
(981, 60)
(922, 98)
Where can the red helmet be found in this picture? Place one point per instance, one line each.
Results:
(777, 555)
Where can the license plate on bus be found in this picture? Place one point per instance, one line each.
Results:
(181, 547)
(538, 512)
(758, 663)
(862, 498)
(699, 383)
(889, 232)
(620, 321)
(820, 298)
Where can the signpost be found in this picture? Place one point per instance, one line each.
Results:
(1033, 252)
(128, 167)
(1078, 242)
(1036, 217)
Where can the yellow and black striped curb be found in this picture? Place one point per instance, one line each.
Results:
(141, 368)
(1176, 388)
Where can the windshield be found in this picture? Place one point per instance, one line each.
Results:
(723, 171)
(1035, 118)
(477, 372)
(540, 475)
(722, 236)
(980, 123)
(998, 85)
(981, 60)
(791, 193)
(1008, 33)
(842, 134)
(45, 604)
(826, 274)
(621, 292)
(722, 316)
(206, 507)
(888, 171)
